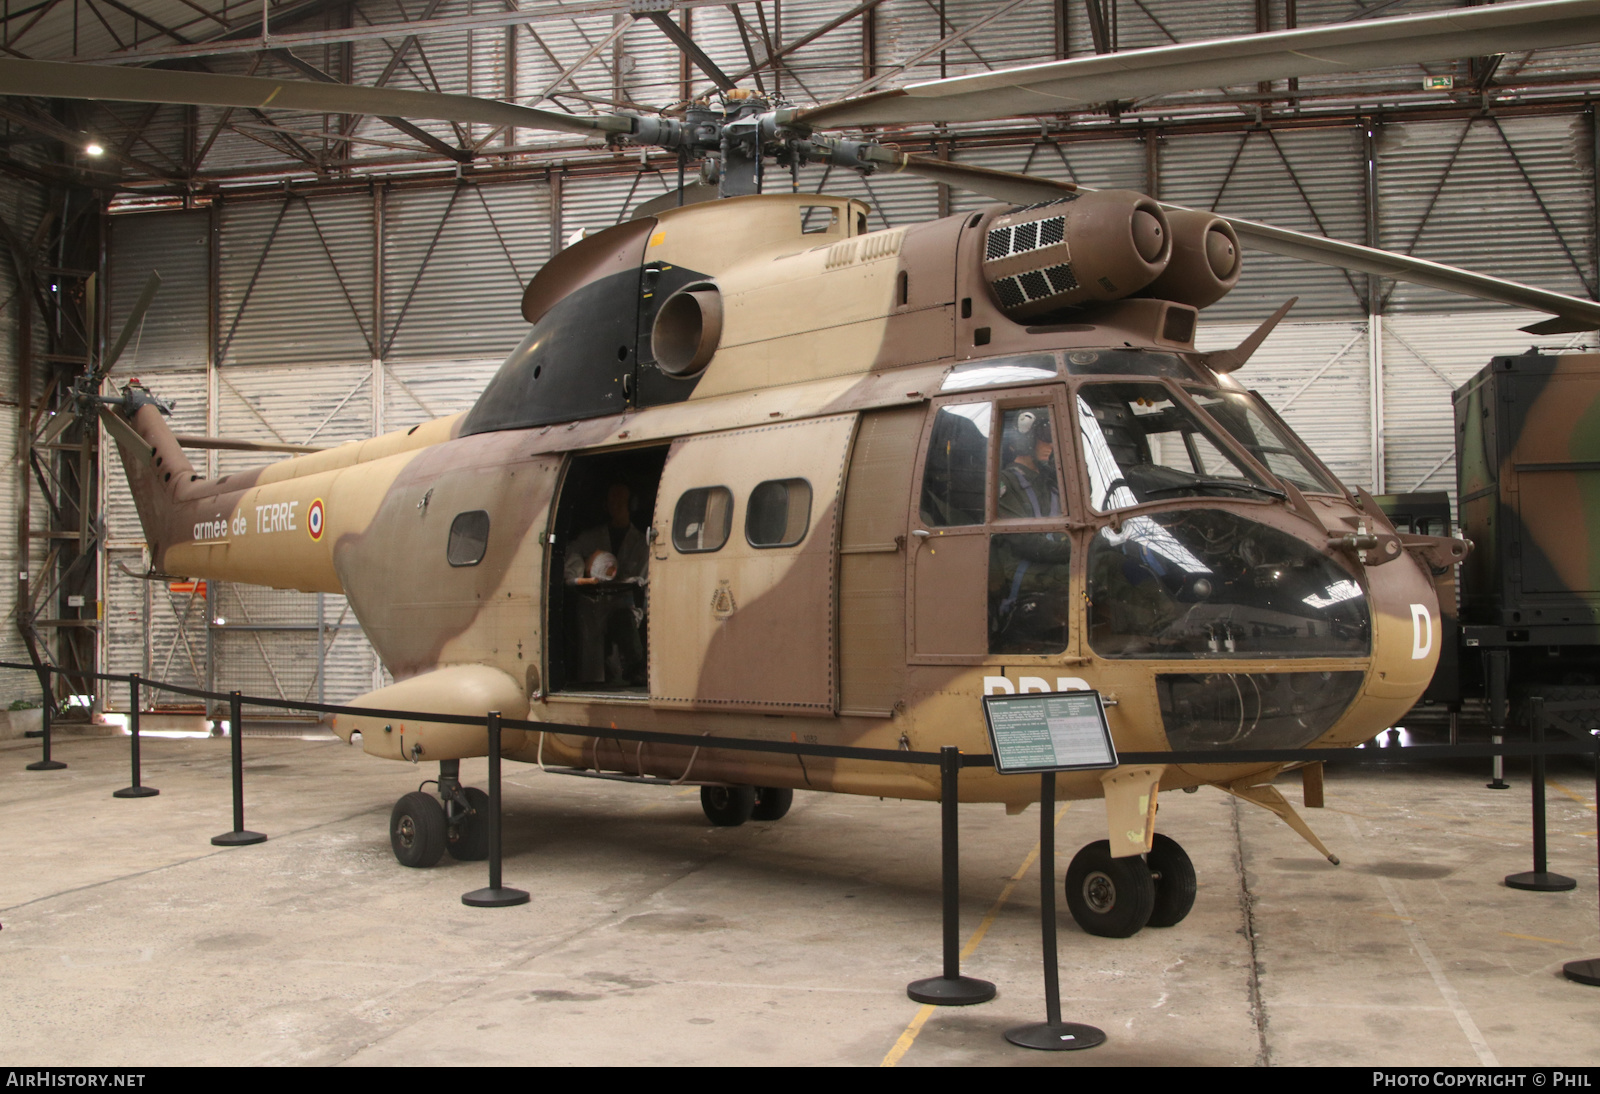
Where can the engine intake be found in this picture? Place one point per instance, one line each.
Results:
(1096, 246)
(1205, 260)
(687, 330)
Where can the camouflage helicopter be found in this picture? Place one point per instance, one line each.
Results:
(879, 474)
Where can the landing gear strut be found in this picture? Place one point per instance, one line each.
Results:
(1118, 897)
(422, 828)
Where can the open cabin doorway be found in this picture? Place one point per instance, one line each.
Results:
(599, 571)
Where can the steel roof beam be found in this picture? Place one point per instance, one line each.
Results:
(248, 38)
(690, 49)
(567, 74)
(942, 44)
(460, 155)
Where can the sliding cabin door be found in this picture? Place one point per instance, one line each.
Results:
(743, 590)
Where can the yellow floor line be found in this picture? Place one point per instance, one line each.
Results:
(1580, 799)
(1536, 938)
(903, 1045)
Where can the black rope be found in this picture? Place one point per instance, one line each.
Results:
(1582, 745)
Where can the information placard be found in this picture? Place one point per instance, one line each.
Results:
(1049, 731)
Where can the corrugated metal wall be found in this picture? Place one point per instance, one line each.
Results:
(22, 205)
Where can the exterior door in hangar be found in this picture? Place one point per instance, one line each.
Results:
(744, 554)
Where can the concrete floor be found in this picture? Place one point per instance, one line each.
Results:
(653, 938)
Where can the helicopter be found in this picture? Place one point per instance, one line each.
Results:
(759, 472)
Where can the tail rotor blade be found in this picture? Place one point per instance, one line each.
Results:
(135, 319)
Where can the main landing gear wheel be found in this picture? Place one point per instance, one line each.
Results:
(1109, 897)
(417, 830)
(772, 803)
(468, 837)
(728, 806)
(1174, 877)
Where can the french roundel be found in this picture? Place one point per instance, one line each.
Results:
(314, 520)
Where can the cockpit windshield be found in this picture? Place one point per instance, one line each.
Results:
(1241, 414)
(1142, 444)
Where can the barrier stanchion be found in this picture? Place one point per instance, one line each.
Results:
(1499, 669)
(496, 895)
(1539, 879)
(238, 837)
(44, 762)
(1587, 971)
(137, 790)
(1053, 1034)
(950, 989)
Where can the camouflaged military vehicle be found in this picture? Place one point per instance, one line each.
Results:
(1528, 488)
(820, 433)
(758, 472)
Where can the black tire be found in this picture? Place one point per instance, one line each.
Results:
(1109, 897)
(728, 806)
(1174, 878)
(417, 830)
(468, 839)
(772, 803)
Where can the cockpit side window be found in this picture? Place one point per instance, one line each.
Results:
(1142, 443)
(956, 472)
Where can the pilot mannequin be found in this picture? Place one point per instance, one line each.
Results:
(1028, 573)
(607, 554)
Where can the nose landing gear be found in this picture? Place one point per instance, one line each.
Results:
(1118, 897)
(422, 828)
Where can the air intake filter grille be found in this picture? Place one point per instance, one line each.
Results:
(1015, 291)
(1004, 242)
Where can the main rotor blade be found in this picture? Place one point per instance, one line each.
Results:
(1418, 271)
(1342, 47)
(1024, 190)
(1001, 185)
(135, 317)
(62, 80)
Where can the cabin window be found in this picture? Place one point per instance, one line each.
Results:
(702, 519)
(954, 477)
(469, 538)
(778, 514)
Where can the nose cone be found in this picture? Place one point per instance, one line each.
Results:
(1406, 634)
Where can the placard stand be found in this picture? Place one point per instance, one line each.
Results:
(1052, 1034)
(1049, 733)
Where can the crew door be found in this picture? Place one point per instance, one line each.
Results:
(742, 576)
(990, 551)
